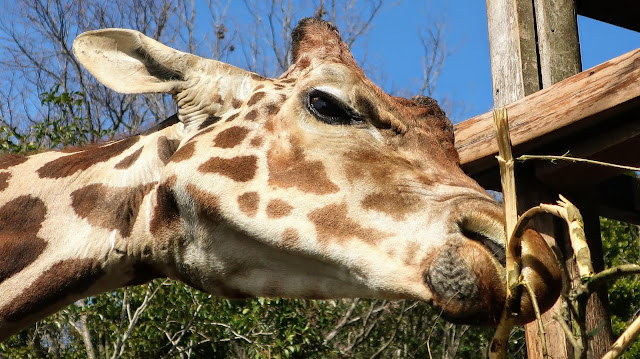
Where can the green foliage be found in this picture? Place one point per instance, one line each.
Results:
(621, 246)
(63, 125)
(183, 322)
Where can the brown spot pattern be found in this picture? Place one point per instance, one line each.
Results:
(232, 117)
(66, 278)
(129, 160)
(277, 208)
(113, 208)
(239, 169)
(410, 252)
(20, 221)
(257, 141)
(252, 115)
(207, 203)
(210, 120)
(272, 109)
(231, 137)
(166, 214)
(255, 98)
(369, 165)
(248, 203)
(80, 161)
(236, 103)
(395, 205)
(290, 238)
(10, 160)
(184, 153)
(270, 124)
(332, 223)
(4, 180)
(166, 149)
(291, 169)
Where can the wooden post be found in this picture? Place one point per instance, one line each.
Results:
(515, 74)
(558, 45)
(559, 54)
(512, 48)
(597, 311)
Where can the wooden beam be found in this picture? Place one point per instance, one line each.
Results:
(578, 102)
(623, 13)
(616, 140)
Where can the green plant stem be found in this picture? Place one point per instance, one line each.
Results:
(574, 159)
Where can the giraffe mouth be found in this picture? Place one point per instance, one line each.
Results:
(467, 278)
(489, 236)
(466, 281)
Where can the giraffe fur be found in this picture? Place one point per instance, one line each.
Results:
(316, 184)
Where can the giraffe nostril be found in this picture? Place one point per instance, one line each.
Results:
(490, 236)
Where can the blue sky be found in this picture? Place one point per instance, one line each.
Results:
(395, 53)
(467, 75)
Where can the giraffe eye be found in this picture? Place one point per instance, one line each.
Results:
(329, 109)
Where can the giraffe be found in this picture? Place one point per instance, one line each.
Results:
(316, 184)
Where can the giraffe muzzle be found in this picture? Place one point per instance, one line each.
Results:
(467, 276)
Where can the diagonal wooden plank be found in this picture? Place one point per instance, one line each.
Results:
(577, 102)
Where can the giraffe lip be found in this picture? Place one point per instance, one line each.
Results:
(495, 248)
(489, 236)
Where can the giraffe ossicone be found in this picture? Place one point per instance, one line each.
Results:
(316, 184)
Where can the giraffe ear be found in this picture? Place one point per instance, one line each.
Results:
(129, 62)
(316, 38)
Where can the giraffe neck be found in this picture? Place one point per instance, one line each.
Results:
(93, 222)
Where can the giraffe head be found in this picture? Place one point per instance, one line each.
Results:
(316, 184)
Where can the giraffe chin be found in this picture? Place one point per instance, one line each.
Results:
(469, 287)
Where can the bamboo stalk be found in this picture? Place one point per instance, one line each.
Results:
(498, 348)
(624, 341)
(610, 274)
(578, 238)
(536, 309)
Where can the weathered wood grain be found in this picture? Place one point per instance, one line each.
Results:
(537, 119)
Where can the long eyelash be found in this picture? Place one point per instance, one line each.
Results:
(349, 112)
